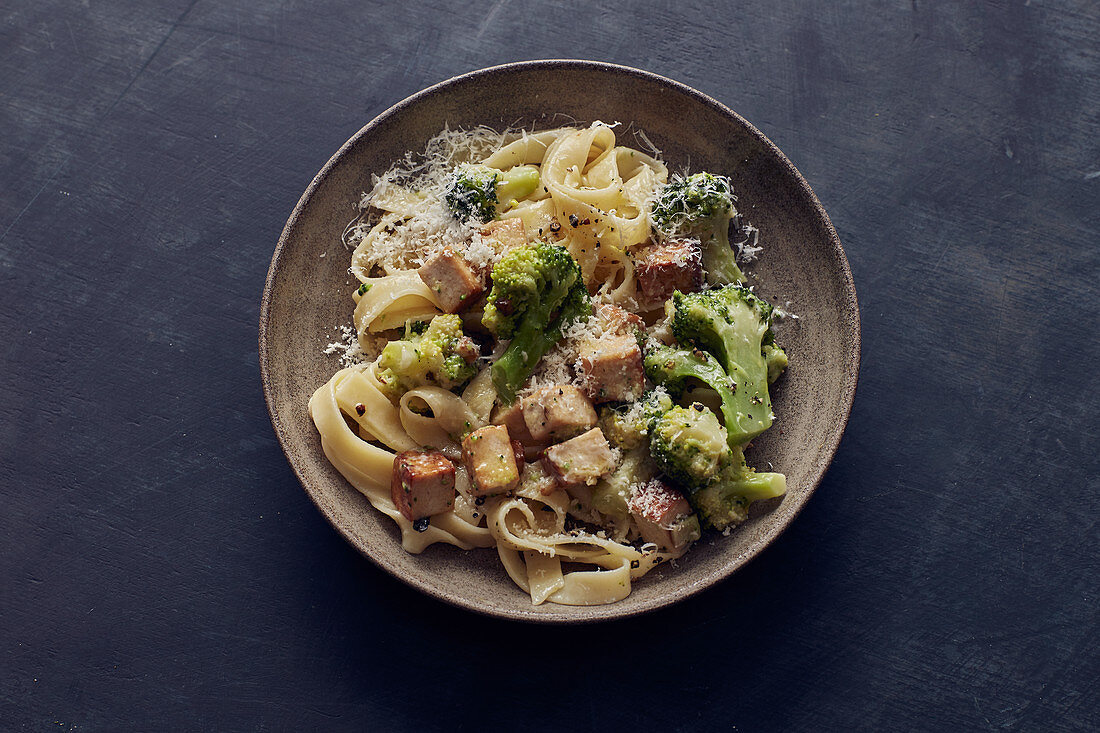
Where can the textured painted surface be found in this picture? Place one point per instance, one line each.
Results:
(162, 568)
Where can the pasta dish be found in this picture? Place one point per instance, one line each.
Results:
(553, 353)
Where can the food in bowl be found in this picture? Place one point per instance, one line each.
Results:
(554, 353)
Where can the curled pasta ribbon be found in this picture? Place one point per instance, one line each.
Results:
(368, 468)
(392, 301)
(480, 395)
(379, 419)
(450, 416)
(364, 257)
(532, 543)
(600, 193)
(529, 149)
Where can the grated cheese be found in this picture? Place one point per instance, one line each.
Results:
(418, 182)
(350, 350)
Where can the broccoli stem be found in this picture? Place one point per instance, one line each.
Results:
(517, 183)
(528, 346)
(755, 486)
(719, 260)
(672, 367)
(726, 501)
(531, 342)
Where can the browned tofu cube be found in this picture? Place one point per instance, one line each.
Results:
(423, 484)
(616, 320)
(452, 279)
(611, 369)
(663, 516)
(491, 460)
(511, 417)
(557, 412)
(668, 266)
(580, 460)
(505, 234)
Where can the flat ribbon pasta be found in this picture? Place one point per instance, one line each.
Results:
(450, 416)
(368, 468)
(529, 529)
(393, 300)
(600, 193)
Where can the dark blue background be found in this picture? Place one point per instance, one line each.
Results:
(162, 568)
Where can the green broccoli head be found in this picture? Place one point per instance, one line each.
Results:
(689, 445)
(537, 291)
(431, 353)
(628, 427)
(725, 502)
(673, 367)
(521, 280)
(732, 323)
(699, 200)
(479, 193)
(701, 206)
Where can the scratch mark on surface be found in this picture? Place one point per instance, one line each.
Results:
(72, 35)
(38, 193)
(946, 249)
(489, 18)
(188, 57)
(1090, 176)
(156, 51)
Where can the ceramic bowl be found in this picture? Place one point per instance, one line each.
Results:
(802, 265)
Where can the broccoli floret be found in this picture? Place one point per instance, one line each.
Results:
(732, 323)
(689, 445)
(726, 501)
(671, 367)
(701, 206)
(628, 427)
(435, 353)
(537, 291)
(776, 359)
(478, 192)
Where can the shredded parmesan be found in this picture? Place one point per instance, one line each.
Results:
(480, 254)
(350, 349)
(415, 186)
(347, 347)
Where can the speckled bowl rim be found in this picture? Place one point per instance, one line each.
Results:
(596, 613)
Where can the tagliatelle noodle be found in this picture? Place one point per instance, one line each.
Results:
(368, 467)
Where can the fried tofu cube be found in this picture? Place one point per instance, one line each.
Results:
(491, 460)
(668, 266)
(617, 320)
(611, 369)
(452, 279)
(423, 484)
(511, 417)
(505, 234)
(580, 460)
(557, 412)
(663, 516)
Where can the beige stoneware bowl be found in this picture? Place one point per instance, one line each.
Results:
(803, 264)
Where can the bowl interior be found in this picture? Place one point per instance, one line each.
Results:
(802, 267)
